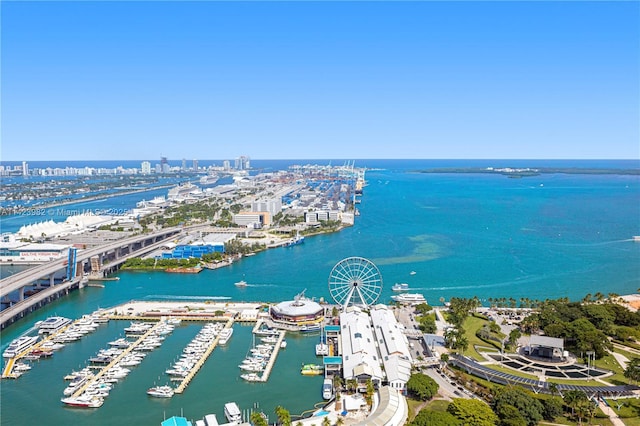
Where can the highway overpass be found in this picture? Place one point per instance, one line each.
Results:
(111, 256)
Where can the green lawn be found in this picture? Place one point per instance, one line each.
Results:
(471, 326)
(438, 405)
(609, 363)
(628, 411)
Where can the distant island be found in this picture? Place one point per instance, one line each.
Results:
(527, 172)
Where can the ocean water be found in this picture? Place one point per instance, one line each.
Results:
(463, 235)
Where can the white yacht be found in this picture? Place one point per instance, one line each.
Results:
(225, 335)
(250, 377)
(327, 389)
(322, 349)
(232, 412)
(19, 345)
(160, 391)
(400, 287)
(52, 324)
(411, 298)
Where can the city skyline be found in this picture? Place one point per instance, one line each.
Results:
(315, 80)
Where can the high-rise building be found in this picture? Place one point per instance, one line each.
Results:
(184, 164)
(226, 165)
(25, 168)
(145, 167)
(242, 163)
(195, 165)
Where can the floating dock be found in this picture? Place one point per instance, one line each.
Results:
(113, 362)
(272, 357)
(8, 373)
(187, 379)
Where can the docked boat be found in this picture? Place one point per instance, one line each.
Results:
(327, 389)
(160, 391)
(298, 239)
(120, 343)
(322, 349)
(410, 298)
(225, 335)
(311, 370)
(308, 328)
(270, 339)
(52, 324)
(22, 367)
(250, 377)
(232, 412)
(266, 332)
(400, 287)
(74, 385)
(241, 283)
(209, 179)
(19, 345)
(84, 401)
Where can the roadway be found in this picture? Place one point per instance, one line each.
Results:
(31, 275)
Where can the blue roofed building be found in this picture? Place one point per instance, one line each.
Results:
(176, 421)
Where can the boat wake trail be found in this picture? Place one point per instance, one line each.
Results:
(176, 297)
(528, 279)
(603, 243)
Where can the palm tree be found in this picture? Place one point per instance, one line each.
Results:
(325, 421)
(338, 382)
(284, 417)
(257, 419)
(369, 394)
(572, 399)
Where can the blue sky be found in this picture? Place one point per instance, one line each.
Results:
(129, 80)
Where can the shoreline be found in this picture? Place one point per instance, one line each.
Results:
(522, 172)
(21, 212)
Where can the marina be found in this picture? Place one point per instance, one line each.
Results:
(83, 395)
(275, 266)
(200, 362)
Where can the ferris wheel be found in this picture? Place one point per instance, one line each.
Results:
(355, 281)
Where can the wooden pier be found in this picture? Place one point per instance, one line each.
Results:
(272, 357)
(187, 379)
(113, 362)
(8, 373)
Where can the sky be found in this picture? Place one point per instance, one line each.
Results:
(291, 80)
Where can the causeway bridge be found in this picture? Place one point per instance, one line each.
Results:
(110, 257)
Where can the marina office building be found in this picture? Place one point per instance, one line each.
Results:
(371, 341)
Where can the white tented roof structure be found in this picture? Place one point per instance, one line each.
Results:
(300, 306)
(393, 346)
(359, 353)
(391, 409)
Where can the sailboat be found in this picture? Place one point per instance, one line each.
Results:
(322, 348)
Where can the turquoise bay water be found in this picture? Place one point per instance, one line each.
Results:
(464, 235)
